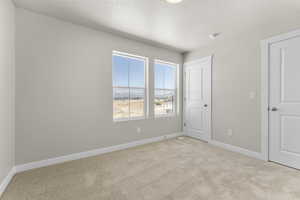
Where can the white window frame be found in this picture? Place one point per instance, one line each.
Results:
(146, 88)
(176, 101)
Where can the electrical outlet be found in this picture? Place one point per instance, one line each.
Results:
(138, 130)
(229, 132)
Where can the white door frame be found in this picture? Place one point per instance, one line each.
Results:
(204, 59)
(265, 87)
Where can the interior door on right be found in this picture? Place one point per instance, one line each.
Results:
(284, 116)
(197, 99)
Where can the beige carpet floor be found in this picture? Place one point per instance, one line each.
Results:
(175, 169)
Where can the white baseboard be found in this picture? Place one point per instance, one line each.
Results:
(240, 150)
(233, 148)
(7, 180)
(76, 156)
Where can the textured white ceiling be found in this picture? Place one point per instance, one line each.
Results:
(183, 26)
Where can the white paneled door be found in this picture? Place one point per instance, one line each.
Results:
(284, 111)
(197, 98)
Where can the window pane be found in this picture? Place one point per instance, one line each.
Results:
(129, 83)
(121, 103)
(137, 100)
(120, 71)
(165, 76)
(137, 73)
(159, 76)
(170, 77)
(165, 89)
(164, 101)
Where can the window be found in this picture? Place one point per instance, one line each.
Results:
(165, 88)
(129, 86)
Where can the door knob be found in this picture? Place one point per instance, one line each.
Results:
(274, 109)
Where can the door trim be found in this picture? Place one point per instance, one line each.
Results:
(201, 60)
(265, 87)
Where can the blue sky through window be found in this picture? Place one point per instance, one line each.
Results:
(128, 72)
(165, 76)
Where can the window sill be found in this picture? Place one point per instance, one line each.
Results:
(165, 116)
(129, 120)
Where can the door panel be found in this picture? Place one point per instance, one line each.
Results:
(197, 112)
(284, 124)
(290, 136)
(195, 91)
(290, 74)
(195, 118)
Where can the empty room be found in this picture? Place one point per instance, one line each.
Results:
(149, 100)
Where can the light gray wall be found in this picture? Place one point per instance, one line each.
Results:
(64, 92)
(236, 73)
(7, 26)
